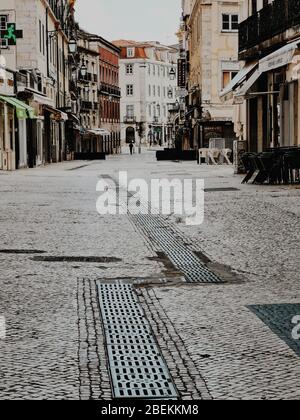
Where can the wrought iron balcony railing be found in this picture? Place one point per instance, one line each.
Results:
(129, 119)
(107, 89)
(272, 20)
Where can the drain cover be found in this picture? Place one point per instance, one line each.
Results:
(158, 231)
(137, 368)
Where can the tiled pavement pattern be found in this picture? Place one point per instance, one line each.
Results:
(216, 345)
(281, 320)
(187, 377)
(93, 373)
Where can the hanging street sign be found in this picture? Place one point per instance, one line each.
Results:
(10, 35)
(182, 73)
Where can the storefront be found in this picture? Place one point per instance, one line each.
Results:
(15, 119)
(267, 100)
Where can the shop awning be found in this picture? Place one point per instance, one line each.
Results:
(238, 79)
(99, 132)
(59, 115)
(244, 89)
(23, 110)
(74, 118)
(279, 58)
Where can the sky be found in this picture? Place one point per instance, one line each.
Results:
(139, 20)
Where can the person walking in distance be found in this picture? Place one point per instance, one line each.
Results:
(131, 148)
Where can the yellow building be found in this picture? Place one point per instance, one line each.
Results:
(212, 36)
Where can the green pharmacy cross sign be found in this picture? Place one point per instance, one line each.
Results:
(11, 34)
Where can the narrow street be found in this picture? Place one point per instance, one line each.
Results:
(57, 251)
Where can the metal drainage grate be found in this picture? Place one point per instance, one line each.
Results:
(158, 231)
(279, 318)
(161, 233)
(137, 368)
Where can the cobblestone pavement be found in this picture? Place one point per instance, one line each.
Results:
(215, 346)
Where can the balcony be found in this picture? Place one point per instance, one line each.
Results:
(129, 119)
(268, 26)
(86, 106)
(89, 77)
(107, 89)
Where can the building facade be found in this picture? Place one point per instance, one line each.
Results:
(148, 85)
(266, 91)
(34, 44)
(99, 94)
(211, 37)
(110, 95)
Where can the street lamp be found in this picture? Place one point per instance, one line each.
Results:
(83, 70)
(72, 46)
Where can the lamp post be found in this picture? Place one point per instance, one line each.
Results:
(139, 128)
(83, 70)
(72, 46)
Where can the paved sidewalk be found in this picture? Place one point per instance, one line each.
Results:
(54, 343)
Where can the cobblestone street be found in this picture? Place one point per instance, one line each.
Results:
(213, 342)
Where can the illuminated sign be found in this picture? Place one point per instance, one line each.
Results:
(10, 35)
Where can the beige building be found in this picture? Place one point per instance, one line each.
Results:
(212, 37)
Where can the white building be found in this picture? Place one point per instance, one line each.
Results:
(148, 80)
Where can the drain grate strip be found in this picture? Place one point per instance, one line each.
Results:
(194, 270)
(160, 232)
(137, 368)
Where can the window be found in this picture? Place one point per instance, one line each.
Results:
(149, 90)
(40, 35)
(43, 38)
(227, 76)
(3, 43)
(3, 22)
(230, 23)
(129, 69)
(130, 111)
(154, 90)
(129, 90)
(150, 111)
(158, 90)
(130, 52)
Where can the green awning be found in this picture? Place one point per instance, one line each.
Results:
(23, 110)
(30, 110)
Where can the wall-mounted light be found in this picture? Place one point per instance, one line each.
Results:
(72, 46)
(83, 70)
